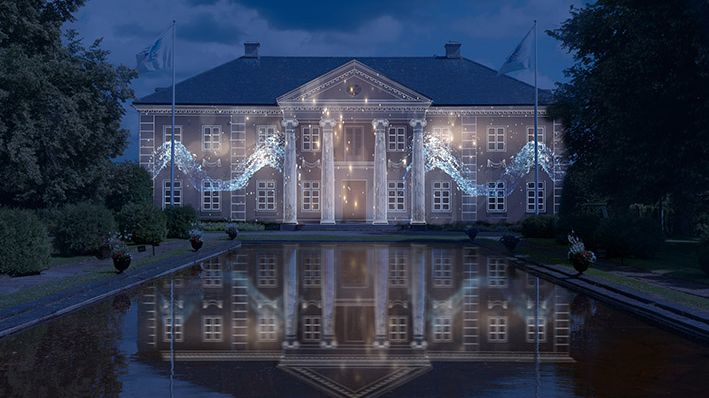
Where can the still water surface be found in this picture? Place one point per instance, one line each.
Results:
(351, 320)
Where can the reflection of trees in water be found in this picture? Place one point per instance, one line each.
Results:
(73, 356)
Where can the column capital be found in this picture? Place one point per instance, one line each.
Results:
(383, 122)
(415, 122)
(327, 122)
(289, 122)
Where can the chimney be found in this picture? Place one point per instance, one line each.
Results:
(251, 49)
(452, 49)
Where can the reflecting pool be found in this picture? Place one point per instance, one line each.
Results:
(351, 320)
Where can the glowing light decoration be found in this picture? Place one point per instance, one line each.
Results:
(269, 153)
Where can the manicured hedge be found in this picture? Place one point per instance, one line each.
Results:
(82, 229)
(128, 183)
(628, 235)
(543, 226)
(179, 221)
(24, 244)
(143, 223)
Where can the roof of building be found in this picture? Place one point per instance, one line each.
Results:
(260, 80)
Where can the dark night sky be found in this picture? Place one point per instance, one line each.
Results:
(211, 32)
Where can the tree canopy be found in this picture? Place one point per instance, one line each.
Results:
(636, 106)
(60, 107)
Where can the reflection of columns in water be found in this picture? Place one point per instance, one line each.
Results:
(328, 297)
(418, 295)
(381, 295)
(290, 296)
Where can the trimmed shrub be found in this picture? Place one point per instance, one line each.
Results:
(627, 235)
(129, 183)
(143, 223)
(25, 247)
(179, 221)
(584, 225)
(543, 226)
(82, 228)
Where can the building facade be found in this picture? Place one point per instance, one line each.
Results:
(353, 131)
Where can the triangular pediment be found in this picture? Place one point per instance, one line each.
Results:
(353, 82)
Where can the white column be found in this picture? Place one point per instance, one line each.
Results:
(327, 180)
(327, 283)
(290, 174)
(418, 295)
(381, 296)
(380, 171)
(290, 296)
(418, 174)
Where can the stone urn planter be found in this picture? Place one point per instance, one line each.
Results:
(196, 243)
(472, 233)
(509, 242)
(121, 263)
(232, 231)
(580, 263)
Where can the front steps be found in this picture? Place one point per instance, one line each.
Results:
(352, 227)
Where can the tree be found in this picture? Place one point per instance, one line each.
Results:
(60, 107)
(636, 107)
(128, 183)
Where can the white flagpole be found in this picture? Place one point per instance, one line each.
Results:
(172, 132)
(536, 132)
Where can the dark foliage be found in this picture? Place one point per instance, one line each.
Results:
(24, 244)
(82, 228)
(542, 226)
(627, 235)
(128, 183)
(179, 221)
(143, 223)
(584, 225)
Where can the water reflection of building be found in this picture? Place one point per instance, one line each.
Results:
(355, 319)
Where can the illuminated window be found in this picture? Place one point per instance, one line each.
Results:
(530, 134)
(212, 328)
(211, 138)
(496, 139)
(311, 328)
(168, 328)
(310, 139)
(397, 269)
(541, 329)
(442, 329)
(211, 274)
(311, 270)
(210, 196)
(539, 199)
(311, 196)
(266, 276)
(496, 272)
(443, 134)
(264, 132)
(397, 196)
(266, 195)
(167, 132)
(441, 196)
(398, 329)
(267, 328)
(496, 197)
(177, 193)
(397, 139)
(442, 269)
(497, 329)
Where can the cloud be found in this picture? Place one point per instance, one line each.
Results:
(205, 28)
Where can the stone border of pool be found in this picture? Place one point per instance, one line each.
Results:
(689, 322)
(17, 318)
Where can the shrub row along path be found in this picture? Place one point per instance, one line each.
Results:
(169, 257)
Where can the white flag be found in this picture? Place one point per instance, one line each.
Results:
(156, 56)
(522, 57)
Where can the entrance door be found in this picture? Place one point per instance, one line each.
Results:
(354, 200)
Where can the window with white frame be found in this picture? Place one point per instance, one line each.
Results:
(396, 139)
(497, 329)
(495, 139)
(211, 138)
(311, 196)
(397, 269)
(266, 195)
(167, 133)
(264, 132)
(441, 196)
(539, 200)
(169, 329)
(177, 193)
(442, 269)
(443, 134)
(310, 139)
(210, 196)
(442, 329)
(267, 328)
(496, 272)
(496, 197)
(266, 276)
(530, 134)
(311, 328)
(397, 196)
(540, 329)
(398, 329)
(212, 328)
(211, 273)
(311, 270)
